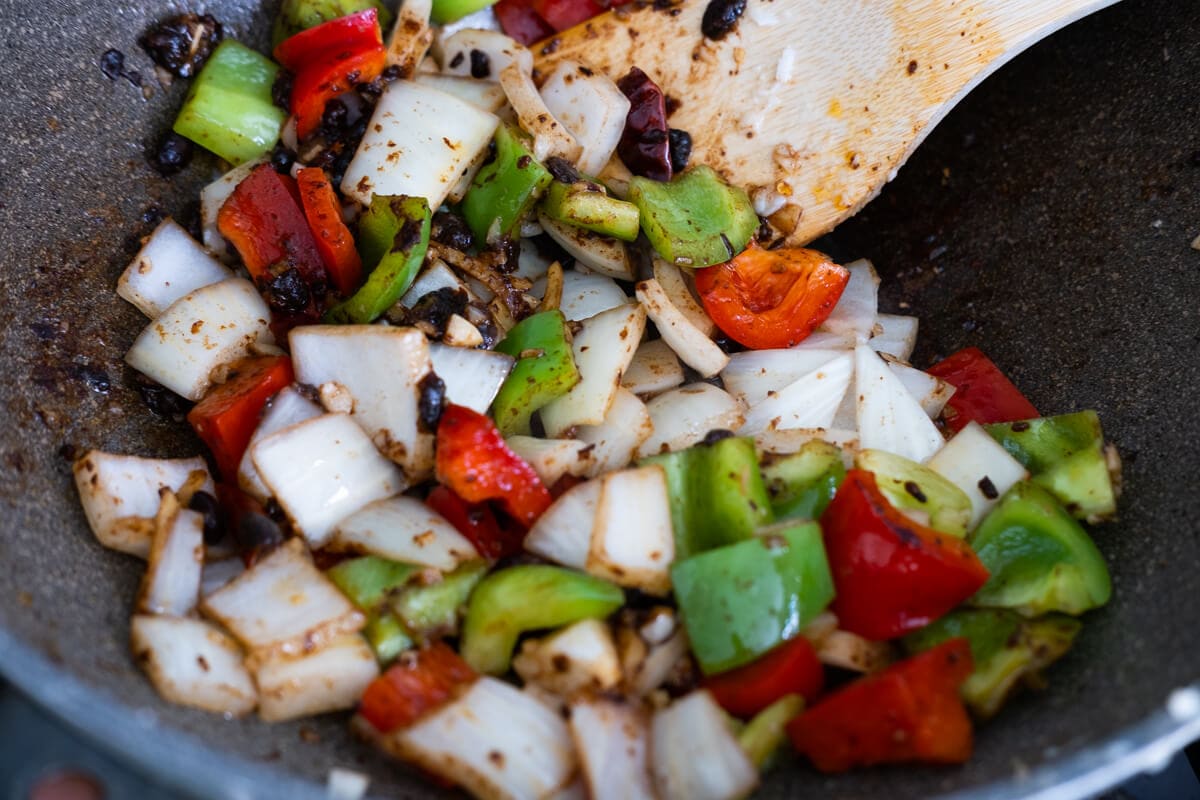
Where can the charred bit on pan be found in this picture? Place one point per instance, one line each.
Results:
(432, 401)
(182, 44)
(721, 17)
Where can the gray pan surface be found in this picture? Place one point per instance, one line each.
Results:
(1048, 220)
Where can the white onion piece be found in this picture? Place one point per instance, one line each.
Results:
(603, 349)
(454, 51)
(411, 36)
(675, 285)
(823, 340)
(218, 573)
(346, 784)
(531, 264)
(331, 679)
(199, 332)
(653, 670)
(846, 416)
(655, 368)
(551, 459)
(418, 143)
(579, 658)
(322, 471)
(171, 584)
(287, 408)
(484, 95)
(434, 277)
(592, 108)
(932, 393)
(550, 137)
(683, 417)
(381, 368)
(472, 377)
(191, 663)
(586, 294)
(170, 265)
(465, 178)
(495, 741)
(563, 533)
(693, 754)
(846, 650)
(614, 441)
(404, 529)
(120, 495)
(461, 333)
(809, 402)
(858, 306)
(283, 604)
(482, 20)
(889, 418)
(752, 376)
(633, 543)
(973, 459)
(896, 335)
(212, 197)
(601, 254)
(611, 739)
(689, 342)
(786, 442)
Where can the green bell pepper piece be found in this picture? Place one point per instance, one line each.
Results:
(524, 598)
(394, 236)
(585, 204)
(767, 731)
(368, 582)
(229, 109)
(300, 15)
(1039, 557)
(387, 635)
(1007, 649)
(506, 188)
(741, 600)
(717, 494)
(695, 220)
(545, 370)
(909, 485)
(432, 610)
(802, 484)
(453, 10)
(1065, 455)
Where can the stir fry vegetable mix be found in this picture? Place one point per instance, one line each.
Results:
(449, 448)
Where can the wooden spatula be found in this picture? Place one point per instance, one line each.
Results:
(813, 104)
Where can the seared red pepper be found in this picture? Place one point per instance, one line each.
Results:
(563, 14)
(892, 575)
(227, 416)
(518, 19)
(645, 145)
(477, 522)
(335, 243)
(791, 668)
(329, 60)
(910, 712)
(474, 461)
(417, 684)
(983, 393)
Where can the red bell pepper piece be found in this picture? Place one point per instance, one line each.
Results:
(518, 19)
(476, 522)
(475, 463)
(563, 14)
(910, 712)
(417, 684)
(264, 221)
(227, 416)
(892, 575)
(335, 243)
(328, 60)
(983, 393)
(791, 668)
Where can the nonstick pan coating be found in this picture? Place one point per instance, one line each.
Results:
(1048, 220)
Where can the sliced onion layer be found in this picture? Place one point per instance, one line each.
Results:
(191, 663)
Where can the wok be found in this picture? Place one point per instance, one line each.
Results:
(1048, 219)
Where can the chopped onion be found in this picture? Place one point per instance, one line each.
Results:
(495, 741)
(611, 739)
(484, 95)
(434, 277)
(418, 143)
(846, 650)
(752, 376)
(287, 408)
(592, 108)
(586, 294)
(889, 418)
(531, 263)
(974, 461)
(461, 333)
(655, 368)
(896, 335)
(809, 402)
(633, 543)
(856, 311)
(823, 340)
(171, 584)
(170, 265)
(693, 756)
(563, 533)
(499, 51)
(472, 377)
(679, 293)
(551, 459)
(550, 137)
(404, 529)
(212, 197)
(932, 393)
(199, 332)
(192, 663)
(689, 342)
(683, 417)
(603, 349)
(120, 495)
(652, 671)
(411, 36)
(346, 784)
(602, 254)
(331, 679)
(614, 441)
(283, 604)
(482, 20)
(786, 442)
(578, 658)
(218, 573)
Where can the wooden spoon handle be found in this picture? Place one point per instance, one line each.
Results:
(813, 104)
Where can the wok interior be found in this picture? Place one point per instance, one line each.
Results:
(1047, 220)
